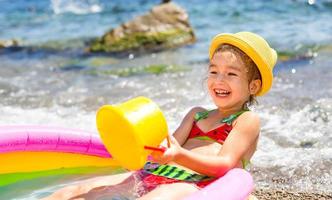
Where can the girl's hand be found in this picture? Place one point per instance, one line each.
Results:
(169, 154)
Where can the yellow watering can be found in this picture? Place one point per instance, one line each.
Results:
(129, 129)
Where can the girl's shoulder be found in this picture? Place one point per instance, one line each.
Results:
(248, 117)
(194, 112)
(198, 113)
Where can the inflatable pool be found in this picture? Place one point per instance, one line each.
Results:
(27, 152)
(31, 151)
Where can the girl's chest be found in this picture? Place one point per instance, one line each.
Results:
(205, 147)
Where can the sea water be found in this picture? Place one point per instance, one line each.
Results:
(50, 80)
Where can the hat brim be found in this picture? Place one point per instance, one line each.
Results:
(266, 73)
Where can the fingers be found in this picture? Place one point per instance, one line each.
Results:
(159, 157)
(155, 156)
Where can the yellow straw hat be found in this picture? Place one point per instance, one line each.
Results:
(256, 48)
(126, 129)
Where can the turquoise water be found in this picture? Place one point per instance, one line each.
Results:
(50, 80)
(284, 23)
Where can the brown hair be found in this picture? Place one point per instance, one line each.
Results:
(253, 72)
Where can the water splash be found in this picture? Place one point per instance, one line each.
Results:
(76, 6)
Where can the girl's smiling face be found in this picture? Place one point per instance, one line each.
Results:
(227, 81)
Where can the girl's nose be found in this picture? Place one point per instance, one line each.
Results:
(220, 77)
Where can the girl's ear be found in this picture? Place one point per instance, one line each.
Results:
(255, 86)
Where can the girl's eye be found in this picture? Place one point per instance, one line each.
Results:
(232, 74)
(213, 72)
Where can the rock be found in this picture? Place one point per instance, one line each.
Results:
(165, 26)
(8, 43)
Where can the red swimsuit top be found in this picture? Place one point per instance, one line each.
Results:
(218, 134)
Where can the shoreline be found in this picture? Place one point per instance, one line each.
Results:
(272, 194)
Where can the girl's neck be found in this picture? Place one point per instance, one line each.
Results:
(225, 112)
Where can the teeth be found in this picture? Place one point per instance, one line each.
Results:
(221, 92)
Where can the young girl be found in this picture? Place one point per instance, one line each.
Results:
(208, 143)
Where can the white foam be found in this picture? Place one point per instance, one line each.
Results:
(56, 116)
(76, 6)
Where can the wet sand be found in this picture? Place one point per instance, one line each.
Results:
(271, 194)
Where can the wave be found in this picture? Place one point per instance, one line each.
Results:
(79, 7)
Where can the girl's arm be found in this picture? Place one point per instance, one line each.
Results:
(242, 137)
(182, 132)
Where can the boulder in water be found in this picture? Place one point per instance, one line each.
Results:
(165, 26)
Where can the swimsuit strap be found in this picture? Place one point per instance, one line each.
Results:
(228, 120)
(202, 115)
(245, 164)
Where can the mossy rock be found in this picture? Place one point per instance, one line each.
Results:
(156, 41)
(156, 69)
(165, 26)
(305, 52)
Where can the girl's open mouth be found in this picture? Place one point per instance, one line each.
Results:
(221, 92)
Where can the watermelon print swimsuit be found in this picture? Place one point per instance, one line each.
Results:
(154, 174)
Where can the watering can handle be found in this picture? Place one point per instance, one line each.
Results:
(168, 141)
(162, 150)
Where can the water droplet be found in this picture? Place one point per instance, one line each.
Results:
(95, 8)
(311, 2)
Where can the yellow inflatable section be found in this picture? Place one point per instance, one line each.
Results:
(40, 161)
